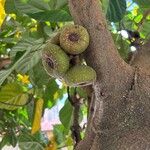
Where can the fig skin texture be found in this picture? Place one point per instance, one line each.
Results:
(80, 75)
(74, 39)
(55, 60)
(55, 39)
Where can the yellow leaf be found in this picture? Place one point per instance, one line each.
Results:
(37, 116)
(23, 78)
(2, 12)
(53, 144)
(2, 2)
(33, 29)
(135, 11)
(19, 76)
(18, 34)
(56, 96)
(13, 16)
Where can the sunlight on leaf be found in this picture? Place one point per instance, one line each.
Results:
(12, 96)
(37, 116)
(23, 78)
(2, 11)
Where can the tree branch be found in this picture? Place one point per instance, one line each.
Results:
(75, 128)
(142, 58)
(4, 62)
(114, 76)
(121, 93)
(101, 54)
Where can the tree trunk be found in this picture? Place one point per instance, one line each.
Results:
(119, 116)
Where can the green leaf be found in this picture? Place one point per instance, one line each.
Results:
(9, 138)
(143, 3)
(12, 139)
(122, 46)
(138, 18)
(65, 115)
(4, 141)
(32, 6)
(28, 62)
(52, 16)
(30, 110)
(36, 73)
(4, 74)
(25, 44)
(105, 4)
(12, 94)
(31, 58)
(82, 93)
(27, 142)
(51, 89)
(57, 4)
(52, 94)
(116, 10)
(146, 27)
(59, 133)
(48, 96)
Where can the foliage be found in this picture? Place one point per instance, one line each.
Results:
(2, 12)
(25, 29)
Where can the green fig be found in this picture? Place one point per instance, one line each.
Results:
(80, 75)
(55, 60)
(74, 39)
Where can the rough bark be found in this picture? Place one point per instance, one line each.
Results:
(142, 58)
(119, 116)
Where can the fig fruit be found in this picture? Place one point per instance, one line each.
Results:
(74, 39)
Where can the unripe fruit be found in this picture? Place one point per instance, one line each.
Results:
(80, 75)
(55, 60)
(74, 39)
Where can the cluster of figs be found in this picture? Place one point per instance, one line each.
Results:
(59, 56)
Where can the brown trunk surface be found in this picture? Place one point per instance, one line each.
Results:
(120, 112)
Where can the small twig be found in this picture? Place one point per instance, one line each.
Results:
(146, 13)
(69, 96)
(75, 128)
(75, 60)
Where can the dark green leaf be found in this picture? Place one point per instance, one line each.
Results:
(24, 44)
(32, 6)
(27, 142)
(28, 62)
(52, 15)
(51, 88)
(12, 139)
(59, 133)
(65, 115)
(57, 4)
(116, 10)
(38, 76)
(143, 3)
(4, 141)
